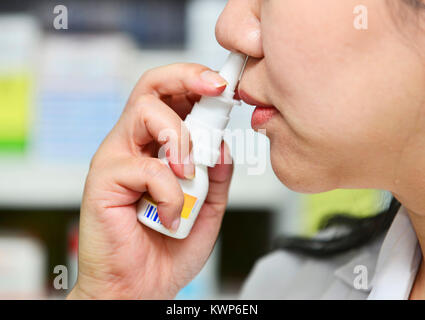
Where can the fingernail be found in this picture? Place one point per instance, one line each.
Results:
(213, 78)
(189, 171)
(188, 168)
(175, 225)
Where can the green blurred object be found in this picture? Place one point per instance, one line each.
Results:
(316, 207)
(14, 111)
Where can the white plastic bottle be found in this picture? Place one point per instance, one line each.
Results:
(206, 123)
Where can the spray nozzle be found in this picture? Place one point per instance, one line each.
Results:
(231, 72)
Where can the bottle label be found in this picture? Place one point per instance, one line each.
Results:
(149, 207)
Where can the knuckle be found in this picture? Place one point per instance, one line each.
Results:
(97, 161)
(93, 163)
(179, 197)
(141, 104)
(174, 200)
(174, 204)
(148, 74)
(190, 69)
(196, 69)
(156, 169)
(144, 100)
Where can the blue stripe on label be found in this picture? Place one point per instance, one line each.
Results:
(150, 210)
(151, 213)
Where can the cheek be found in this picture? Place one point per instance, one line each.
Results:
(309, 44)
(305, 40)
(327, 77)
(347, 97)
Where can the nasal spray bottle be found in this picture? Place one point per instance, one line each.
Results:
(206, 123)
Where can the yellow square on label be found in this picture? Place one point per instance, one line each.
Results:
(189, 203)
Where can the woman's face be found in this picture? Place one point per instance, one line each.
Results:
(349, 101)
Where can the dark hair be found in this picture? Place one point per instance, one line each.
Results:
(358, 232)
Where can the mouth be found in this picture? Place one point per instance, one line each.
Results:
(262, 113)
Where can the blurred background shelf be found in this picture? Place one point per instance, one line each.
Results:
(29, 186)
(32, 186)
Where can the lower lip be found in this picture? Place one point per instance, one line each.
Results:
(262, 115)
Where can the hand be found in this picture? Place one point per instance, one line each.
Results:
(119, 258)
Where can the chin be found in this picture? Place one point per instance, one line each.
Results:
(300, 176)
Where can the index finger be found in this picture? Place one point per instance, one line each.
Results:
(179, 78)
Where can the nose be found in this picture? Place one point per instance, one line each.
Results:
(238, 27)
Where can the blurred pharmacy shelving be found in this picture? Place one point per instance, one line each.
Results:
(31, 185)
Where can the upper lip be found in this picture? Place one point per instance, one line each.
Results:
(252, 101)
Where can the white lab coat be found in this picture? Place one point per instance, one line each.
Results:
(383, 269)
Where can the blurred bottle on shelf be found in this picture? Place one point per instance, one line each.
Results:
(153, 24)
(83, 88)
(19, 40)
(22, 267)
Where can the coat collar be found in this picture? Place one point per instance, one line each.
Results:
(391, 269)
